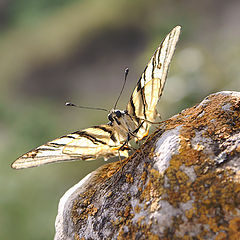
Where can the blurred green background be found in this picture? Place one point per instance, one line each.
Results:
(52, 51)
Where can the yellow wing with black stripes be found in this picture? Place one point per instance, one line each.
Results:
(143, 101)
(88, 144)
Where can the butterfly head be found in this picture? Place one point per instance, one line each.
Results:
(114, 115)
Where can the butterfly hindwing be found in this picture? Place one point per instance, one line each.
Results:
(88, 144)
(143, 101)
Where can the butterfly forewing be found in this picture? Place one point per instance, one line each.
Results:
(88, 144)
(143, 101)
(47, 153)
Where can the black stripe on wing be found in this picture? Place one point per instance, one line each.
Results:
(91, 137)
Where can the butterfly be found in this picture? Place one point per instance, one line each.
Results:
(112, 139)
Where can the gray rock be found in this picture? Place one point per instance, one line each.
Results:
(184, 181)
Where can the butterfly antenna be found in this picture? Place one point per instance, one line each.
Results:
(93, 108)
(125, 79)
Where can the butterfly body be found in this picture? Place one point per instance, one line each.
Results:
(122, 124)
(112, 139)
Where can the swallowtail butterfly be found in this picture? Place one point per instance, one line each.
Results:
(112, 139)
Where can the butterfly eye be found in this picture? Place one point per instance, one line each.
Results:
(110, 118)
(118, 114)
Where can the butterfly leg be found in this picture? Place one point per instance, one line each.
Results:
(138, 140)
(121, 164)
(125, 143)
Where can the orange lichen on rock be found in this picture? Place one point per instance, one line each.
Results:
(129, 178)
(215, 188)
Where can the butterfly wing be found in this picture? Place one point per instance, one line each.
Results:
(88, 144)
(143, 101)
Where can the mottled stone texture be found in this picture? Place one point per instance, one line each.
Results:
(182, 183)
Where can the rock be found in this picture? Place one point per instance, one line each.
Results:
(182, 183)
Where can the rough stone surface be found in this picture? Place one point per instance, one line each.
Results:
(182, 183)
